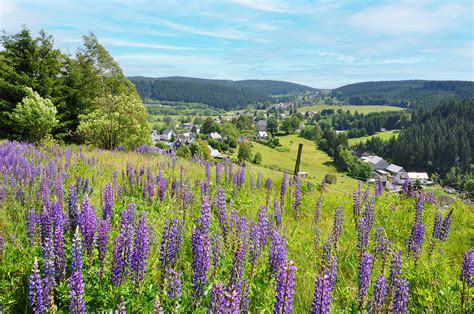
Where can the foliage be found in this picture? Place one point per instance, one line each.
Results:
(34, 117)
(118, 120)
(291, 124)
(245, 151)
(404, 93)
(272, 125)
(183, 151)
(244, 122)
(210, 126)
(257, 159)
(311, 132)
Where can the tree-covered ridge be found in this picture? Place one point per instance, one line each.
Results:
(225, 94)
(408, 93)
(439, 141)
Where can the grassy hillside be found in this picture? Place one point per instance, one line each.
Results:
(404, 93)
(34, 177)
(383, 135)
(352, 109)
(314, 161)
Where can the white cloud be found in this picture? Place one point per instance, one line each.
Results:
(227, 33)
(125, 43)
(408, 17)
(144, 57)
(262, 5)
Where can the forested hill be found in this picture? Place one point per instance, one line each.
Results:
(413, 93)
(224, 94)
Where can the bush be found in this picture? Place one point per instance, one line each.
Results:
(257, 159)
(184, 152)
(330, 178)
(34, 117)
(245, 152)
(161, 145)
(118, 120)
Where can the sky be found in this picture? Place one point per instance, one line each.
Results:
(320, 43)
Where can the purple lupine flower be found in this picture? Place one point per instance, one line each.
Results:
(395, 272)
(362, 235)
(72, 208)
(263, 226)
(317, 211)
(415, 242)
(57, 215)
(259, 181)
(208, 171)
(401, 296)
(86, 186)
(438, 221)
(76, 294)
(157, 309)
(268, 184)
(108, 201)
(76, 253)
(216, 250)
(406, 186)
(365, 269)
(419, 209)
(118, 262)
(277, 213)
(337, 226)
(285, 288)
(380, 290)
(446, 226)
(322, 293)
(297, 203)
(382, 245)
(324, 285)
(218, 173)
(467, 269)
(277, 256)
(45, 224)
(102, 240)
(87, 223)
(162, 187)
(31, 225)
(174, 284)
(120, 308)
(369, 214)
(201, 253)
(141, 249)
(237, 272)
(223, 301)
(255, 244)
(60, 259)
(48, 261)
(222, 212)
(252, 183)
(35, 290)
(170, 244)
(126, 230)
(378, 188)
(283, 188)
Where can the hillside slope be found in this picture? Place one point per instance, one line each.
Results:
(404, 93)
(224, 94)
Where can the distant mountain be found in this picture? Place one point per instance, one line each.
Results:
(413, 93)
(225, 94)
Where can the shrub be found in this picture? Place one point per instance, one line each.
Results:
(34, 117)
(257, 159)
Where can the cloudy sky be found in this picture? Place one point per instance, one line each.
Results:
(321, 43)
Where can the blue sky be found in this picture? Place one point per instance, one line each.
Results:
(321, 43)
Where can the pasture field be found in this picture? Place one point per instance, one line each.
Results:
(352, 109)
(383, 135)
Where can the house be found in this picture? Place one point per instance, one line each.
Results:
(185, 138)
(214, 152)
(242, 138)
(394, 169)
(187, 125)
(380, 175)
(261, 125)
(376, 162)
(418, 176)
(215, 136)
(167, 135)
(155, 136)
(262, 136)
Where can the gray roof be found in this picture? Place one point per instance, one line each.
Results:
(394, 168)
(215, 135)
(262, 122)
(375, 160)
(167, 131)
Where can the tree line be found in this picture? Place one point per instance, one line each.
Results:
(85, 98)
(439, 141)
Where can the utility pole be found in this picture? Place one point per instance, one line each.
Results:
(298, 159)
